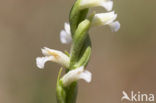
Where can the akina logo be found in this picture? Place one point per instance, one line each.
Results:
(137, 97)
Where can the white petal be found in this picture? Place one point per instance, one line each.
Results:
(68, 39)
(51, 52)
(40, 61)
(46, 51)
(88, 3)
(86, 75)
(107, 5)
(67, 28)
(75, 75)
(58, 56)
(63, 37)
(115, 26)
(104, 18)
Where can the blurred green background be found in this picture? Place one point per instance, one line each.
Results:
(125, 60)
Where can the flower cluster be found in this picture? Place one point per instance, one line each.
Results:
(76, 33)
(99, 19)
(102, 18)
(61, 58)
(65, 38)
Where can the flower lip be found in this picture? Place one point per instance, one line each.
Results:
(54, 56)
(115, 26)
(76, 74)
(107, 5)
(40, 61)
(106, 19)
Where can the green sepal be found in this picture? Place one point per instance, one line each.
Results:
(76, 16)
(60, 92)
(66, 52)
(78, 41)
(85, 53)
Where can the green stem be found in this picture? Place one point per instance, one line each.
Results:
(78, 41)
(80, 51)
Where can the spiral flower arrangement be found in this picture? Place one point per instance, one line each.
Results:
(76, 33)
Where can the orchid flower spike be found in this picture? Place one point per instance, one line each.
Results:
(76, 74)
(52, 55)
(107, 4)
(106, 19)
(65, 35)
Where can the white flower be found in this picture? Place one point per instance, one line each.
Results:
(52, 55)
(107, 4)
(65, 35)
(115, 26)
(106, 19)
(76, 74)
